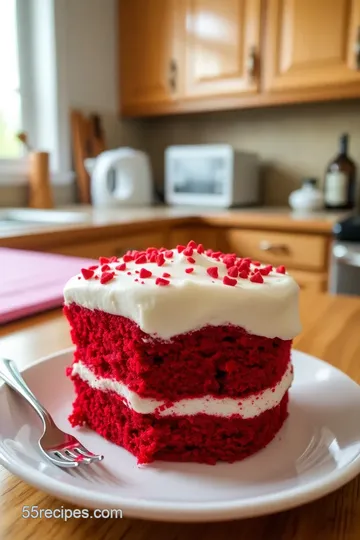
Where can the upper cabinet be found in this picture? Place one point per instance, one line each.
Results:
(222, 41)
(194, 55)
(311, 43)
(146, 50)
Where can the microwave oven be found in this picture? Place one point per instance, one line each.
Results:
(211, 175)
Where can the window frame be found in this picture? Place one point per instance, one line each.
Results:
(41, 30)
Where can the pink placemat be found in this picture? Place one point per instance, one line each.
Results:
(31, 282)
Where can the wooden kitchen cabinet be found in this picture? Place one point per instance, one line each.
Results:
(146, 42)
(310, 281)
(299, 251)
(179, 56)
(109, 248)
(222, 41)
(208, 236)
(311, 43)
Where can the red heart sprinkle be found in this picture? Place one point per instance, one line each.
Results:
(160, 259)
(153, 257)
(188, 251)
(281, 270)
(233, 271)
(180, 248)
(209, 252)
(191, 260)
(113, 259)
(141, 259)
(256, 278)
(166, 274)
(144, 273)
(243, 274)
(105, 267)
(192, 244)
(94, 267)
(229, 260)
(128, 273)
(128, 258)
(120, 267)
(87, 273)
(216, 253)
(168, 254)
(107, 276)
(162, 282)
(266, 270)
(256, 263)
(104, 260)
(213, 271)
(229, 281)
(243, 265)
(200, 249)
(189, 270)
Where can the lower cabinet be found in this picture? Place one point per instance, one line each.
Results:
(304, 255)
(310, 281)
(208, 236)
(115, 247)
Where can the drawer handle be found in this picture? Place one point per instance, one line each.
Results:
(273, 248)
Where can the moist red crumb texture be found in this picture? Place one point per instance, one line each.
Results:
(219, 361)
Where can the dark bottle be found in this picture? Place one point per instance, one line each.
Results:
(340, 179)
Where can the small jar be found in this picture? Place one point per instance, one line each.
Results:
(308, 198)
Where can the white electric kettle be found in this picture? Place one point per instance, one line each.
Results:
(120, 177)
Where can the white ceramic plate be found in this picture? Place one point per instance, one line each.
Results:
(316, 452)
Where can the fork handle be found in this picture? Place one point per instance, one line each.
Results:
(11, 375)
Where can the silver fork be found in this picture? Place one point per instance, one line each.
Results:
(59, 447)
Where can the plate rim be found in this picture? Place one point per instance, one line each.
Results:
(183, 511)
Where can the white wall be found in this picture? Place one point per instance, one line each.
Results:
(92, 66)
(92, 54)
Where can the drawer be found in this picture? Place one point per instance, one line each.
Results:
(310, 281)
(303, 251)
(109, 248)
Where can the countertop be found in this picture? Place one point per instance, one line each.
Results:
(131, 220)
(330, 331)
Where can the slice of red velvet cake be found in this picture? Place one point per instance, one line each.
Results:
(182, 354)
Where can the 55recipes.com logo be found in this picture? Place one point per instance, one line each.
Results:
(34, 512)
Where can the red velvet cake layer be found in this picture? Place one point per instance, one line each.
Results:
(200, 438)
(216, 360)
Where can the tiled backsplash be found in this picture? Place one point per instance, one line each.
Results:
(292, 142)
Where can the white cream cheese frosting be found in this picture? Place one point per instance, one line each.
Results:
(193, 296)
(248, 407)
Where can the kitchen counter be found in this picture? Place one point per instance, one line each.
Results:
(100, 223)
(330, 331)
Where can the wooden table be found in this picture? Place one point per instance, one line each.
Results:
(331, 330)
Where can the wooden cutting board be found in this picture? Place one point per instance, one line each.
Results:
(31, 282)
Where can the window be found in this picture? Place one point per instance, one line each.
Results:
(10, 96)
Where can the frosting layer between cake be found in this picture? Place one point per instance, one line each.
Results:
(179, 293)
(248, 407)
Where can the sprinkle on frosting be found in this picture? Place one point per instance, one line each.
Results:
(87, 273)
(222, 287)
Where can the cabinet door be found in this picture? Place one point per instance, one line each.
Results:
(222, 47)
(311, 44)
(146, 49)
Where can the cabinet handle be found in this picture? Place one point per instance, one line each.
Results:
(274, 248)
(251, 63)
(357, 49)
(173, 75)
